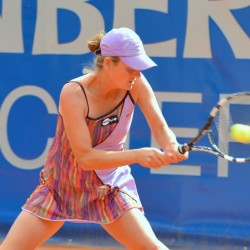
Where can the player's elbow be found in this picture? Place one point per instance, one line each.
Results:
(86, 160)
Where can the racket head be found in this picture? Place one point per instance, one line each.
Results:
(231, 109)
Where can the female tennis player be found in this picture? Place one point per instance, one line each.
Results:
(86, 176)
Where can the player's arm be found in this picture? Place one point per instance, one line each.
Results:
(163, 135)
(152, 112)
(73, 108)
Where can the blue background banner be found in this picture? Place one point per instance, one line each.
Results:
(202, 49)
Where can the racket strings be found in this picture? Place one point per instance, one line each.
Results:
(222, 122)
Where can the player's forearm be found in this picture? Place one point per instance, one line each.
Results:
(164, 136)
(101, 160)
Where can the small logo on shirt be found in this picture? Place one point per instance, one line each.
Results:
(110, 120)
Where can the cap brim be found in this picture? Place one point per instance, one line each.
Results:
(140, 62)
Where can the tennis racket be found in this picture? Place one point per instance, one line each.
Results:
(232, 109)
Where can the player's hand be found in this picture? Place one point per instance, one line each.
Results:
(151, 157)
(172, 153)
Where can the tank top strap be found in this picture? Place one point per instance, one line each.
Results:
(84, 95)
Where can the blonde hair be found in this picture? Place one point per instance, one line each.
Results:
(94, 46)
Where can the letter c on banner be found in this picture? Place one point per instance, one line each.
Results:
(7, 152)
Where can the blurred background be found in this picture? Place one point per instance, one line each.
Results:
(202, 48)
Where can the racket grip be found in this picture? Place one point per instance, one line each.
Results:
(183, 148)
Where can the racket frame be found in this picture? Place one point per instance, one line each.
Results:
(190, 146)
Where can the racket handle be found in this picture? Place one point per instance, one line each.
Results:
(183, 148)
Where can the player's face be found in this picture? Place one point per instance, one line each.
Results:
(123, 76)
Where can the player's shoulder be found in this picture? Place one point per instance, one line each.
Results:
(70, 88)
(71, 98)
(75, 85)
(142, 84)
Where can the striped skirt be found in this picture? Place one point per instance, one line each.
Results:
(61, 201)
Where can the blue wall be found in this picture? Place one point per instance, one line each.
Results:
(202, 49)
